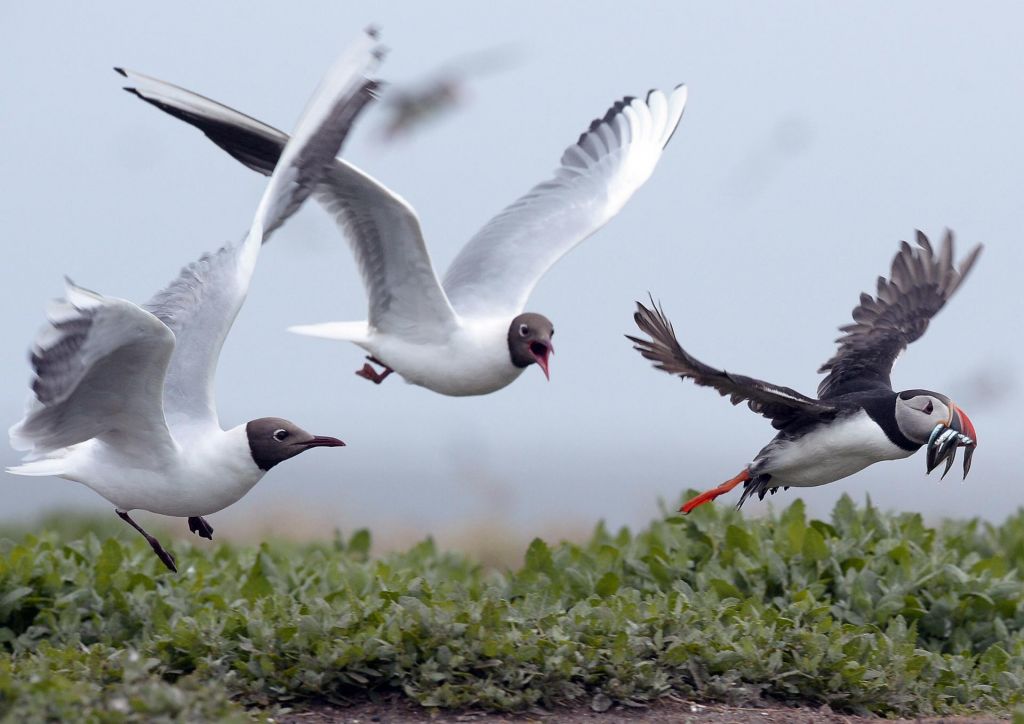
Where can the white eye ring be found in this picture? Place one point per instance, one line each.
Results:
(280, 435)
(523, 330)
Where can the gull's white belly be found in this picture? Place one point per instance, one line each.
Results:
(473, 361)
(199, 480)
(830, 453)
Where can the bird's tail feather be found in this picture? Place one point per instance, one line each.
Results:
(357, 332)
(41, 467)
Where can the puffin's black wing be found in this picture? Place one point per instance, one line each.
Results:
(781, 405)
(919, 285)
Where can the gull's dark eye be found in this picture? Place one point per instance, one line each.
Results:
(523, 330)
(280, 435)
(928, 408)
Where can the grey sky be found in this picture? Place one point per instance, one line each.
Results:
(816, 137)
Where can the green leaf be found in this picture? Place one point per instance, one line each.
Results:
(14, 595)
(538, 557)
(814, 548)
(359, 544)
(257, 585)
(725, 589)
(737, 537)
(607, 585)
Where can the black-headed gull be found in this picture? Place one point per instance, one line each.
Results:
(469, 335)
(123, 394)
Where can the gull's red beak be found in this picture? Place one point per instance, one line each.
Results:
(324, 441)
(541, 351)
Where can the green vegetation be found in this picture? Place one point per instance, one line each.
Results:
(869, 612)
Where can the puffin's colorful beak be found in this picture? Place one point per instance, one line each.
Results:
(958, 431)
(540, 352)
(324, 441)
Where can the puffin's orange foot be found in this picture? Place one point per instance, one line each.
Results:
(708, 495)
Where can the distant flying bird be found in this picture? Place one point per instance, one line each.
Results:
(123, 395)
(858, 419)
(468, 336)
(410, 106)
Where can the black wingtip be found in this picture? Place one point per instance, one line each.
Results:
(133, 91)
(120, 71)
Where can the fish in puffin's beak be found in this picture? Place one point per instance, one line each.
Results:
(946, 438)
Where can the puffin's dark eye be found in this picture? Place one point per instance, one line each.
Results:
(928, 408)
(280, 435)
(523, 330)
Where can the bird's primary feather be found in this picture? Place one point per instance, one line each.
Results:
(919, 285)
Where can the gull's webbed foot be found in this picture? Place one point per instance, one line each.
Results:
(199, 526)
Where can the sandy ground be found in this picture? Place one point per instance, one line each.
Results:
(668, 710)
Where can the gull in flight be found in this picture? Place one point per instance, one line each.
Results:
(123, 394)
(467, 335)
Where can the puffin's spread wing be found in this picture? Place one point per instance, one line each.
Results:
(99, 372)
(919, 285)
(779, 404)
(499, 267)
(383, 231)
(201, 304)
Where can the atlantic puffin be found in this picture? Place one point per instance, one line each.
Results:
(857, 419)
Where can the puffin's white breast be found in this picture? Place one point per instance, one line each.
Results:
(828, 453)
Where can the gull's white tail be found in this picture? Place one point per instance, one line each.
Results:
(357, 332)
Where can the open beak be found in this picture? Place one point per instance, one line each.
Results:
(958, 431)
(541, 351)
(324, 441)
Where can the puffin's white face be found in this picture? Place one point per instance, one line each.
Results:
(919, 411)
(931, 419)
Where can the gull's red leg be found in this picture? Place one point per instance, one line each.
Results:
(369, 373)
(708, 495)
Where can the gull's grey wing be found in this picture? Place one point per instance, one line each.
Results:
(404, 293)
(383, 231)
(201, 304)
(782, 405)
(99, 372)
(918, 286)
(499, 267)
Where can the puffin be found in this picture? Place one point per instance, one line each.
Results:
(857, 418)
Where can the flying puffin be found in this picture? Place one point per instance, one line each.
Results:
(858, 419)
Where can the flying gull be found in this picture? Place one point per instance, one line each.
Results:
(123, 394)
(468, 335)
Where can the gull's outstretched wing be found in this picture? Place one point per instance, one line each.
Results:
(201, 304)
(383, 231)
(99, 372)
(781, 405)
(918, 286)
(499, 267)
